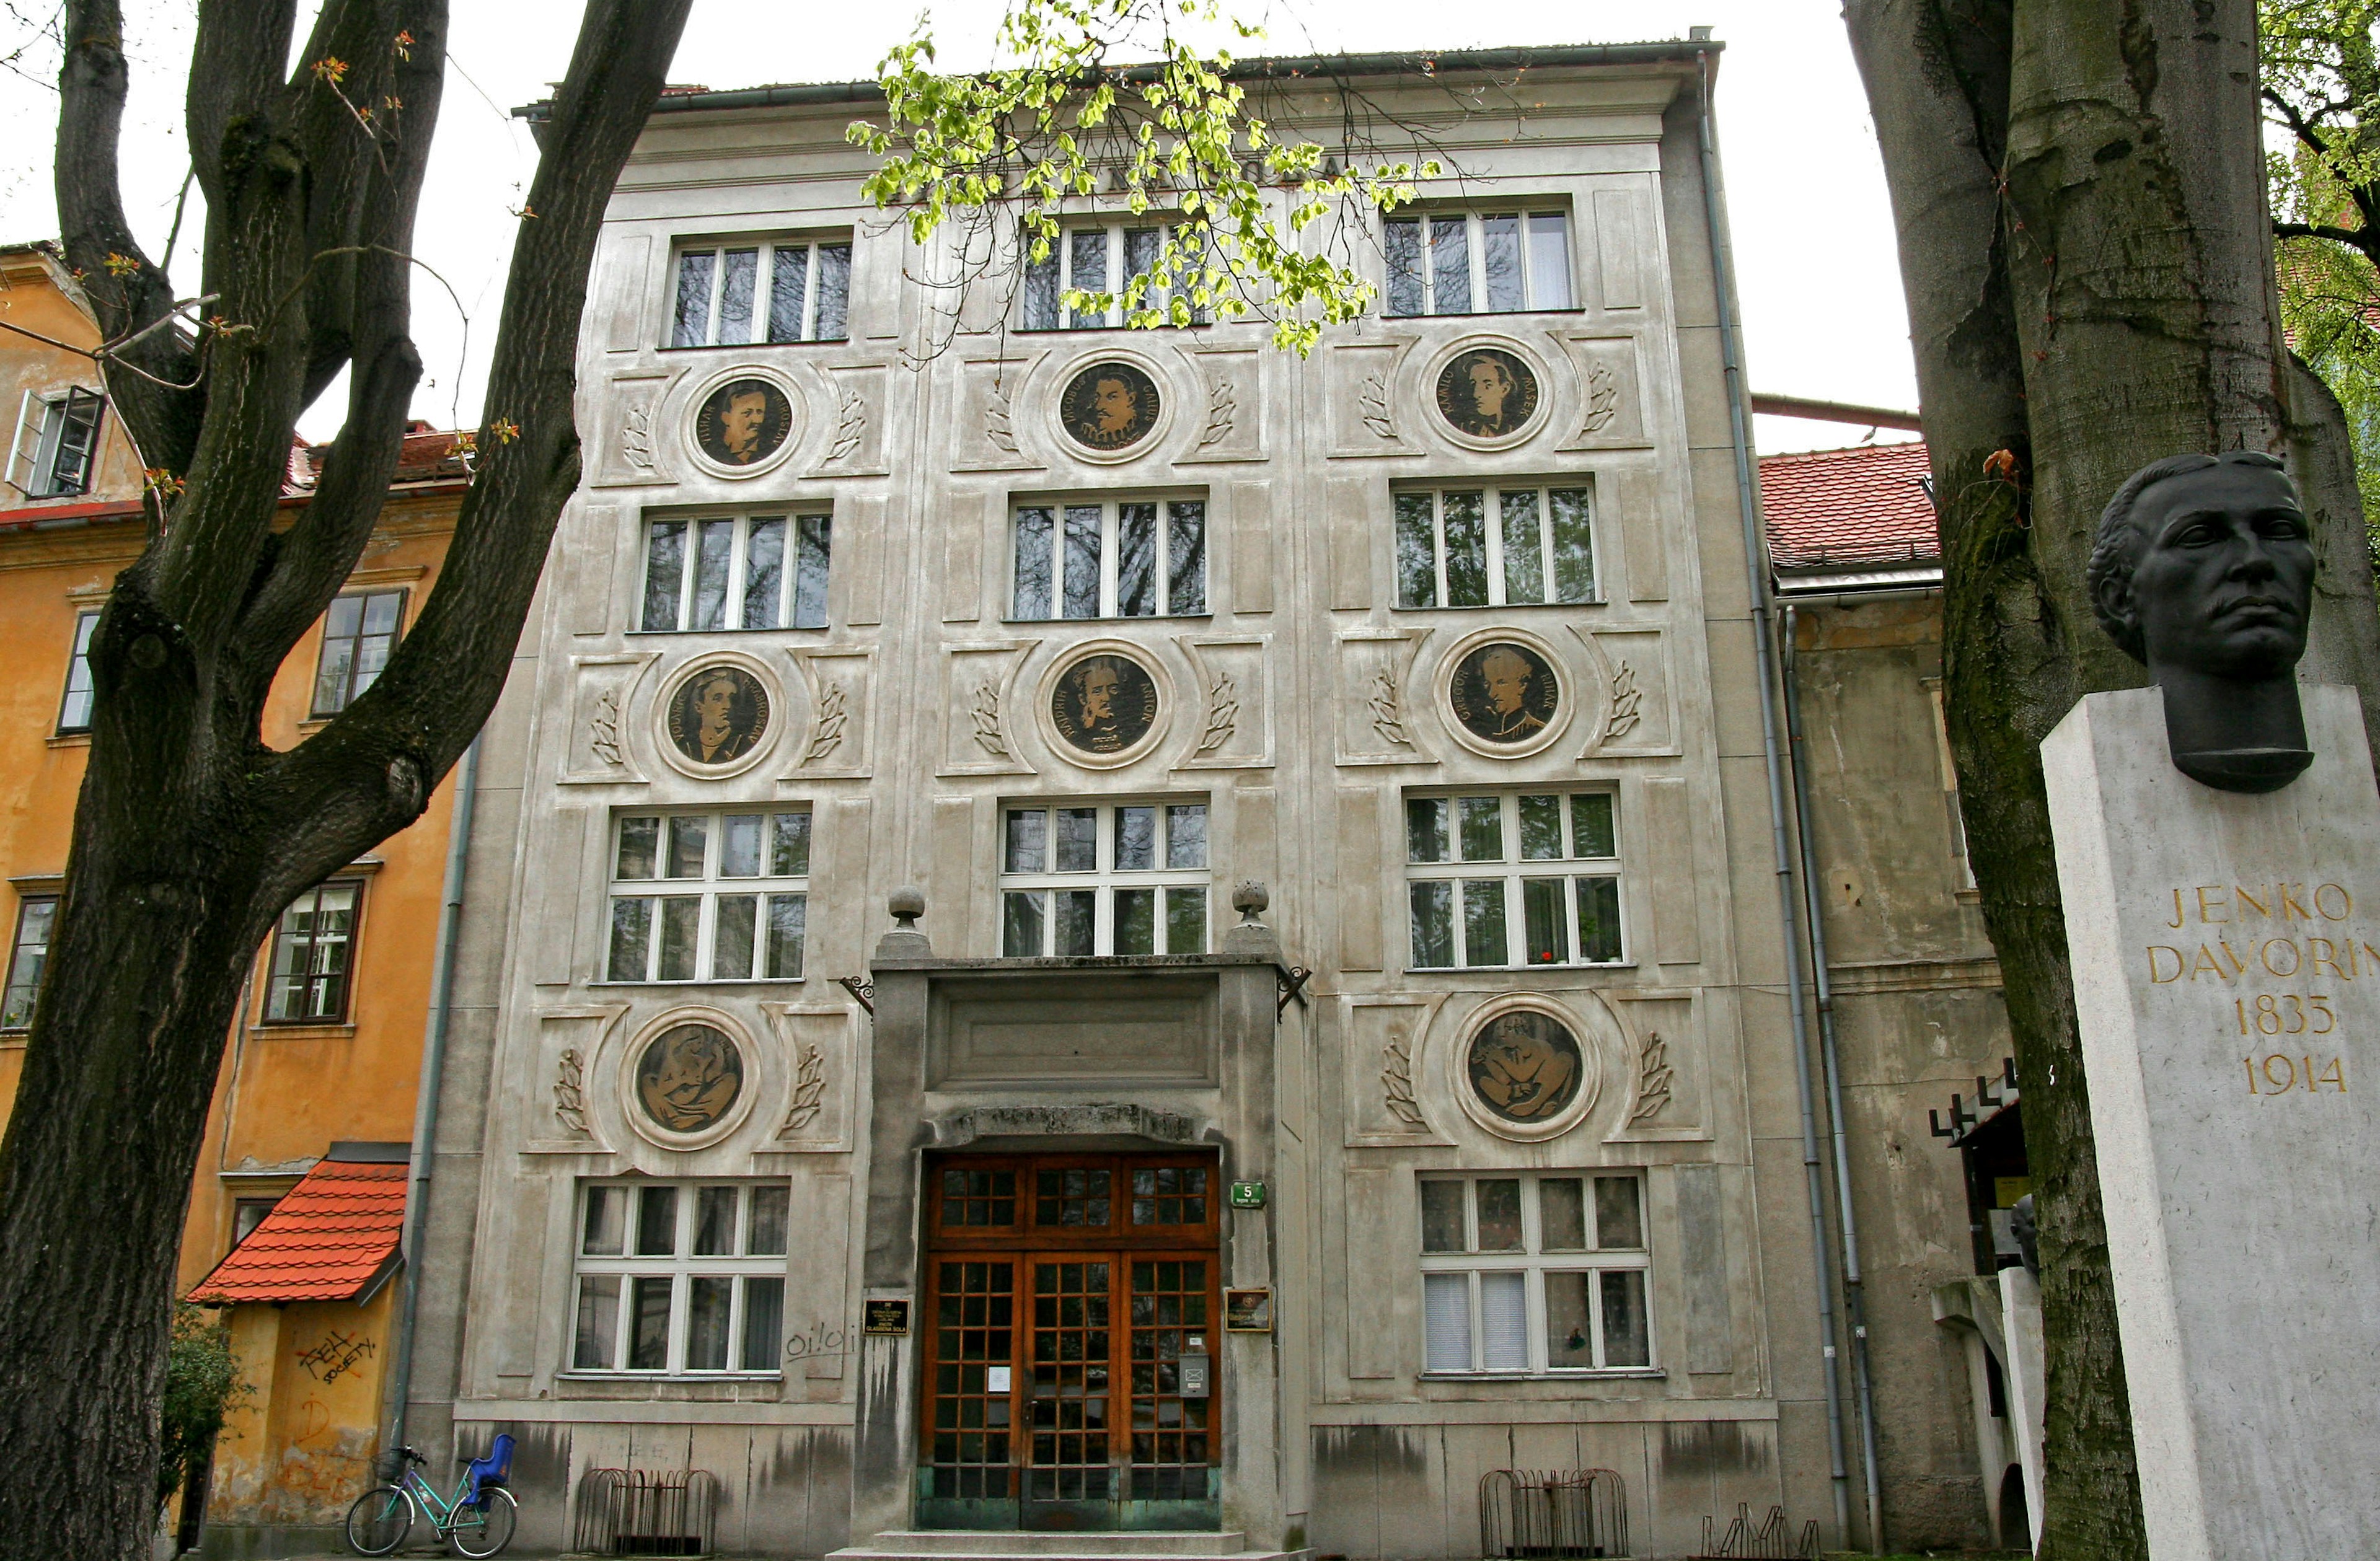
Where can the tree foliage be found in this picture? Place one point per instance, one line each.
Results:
(202, 1384)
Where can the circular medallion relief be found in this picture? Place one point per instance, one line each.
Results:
(1488, 393)
(743, 423)
(1504, 693)
(1525, 1067)
(1104, 703)
(688, 1078)
(718, 714)
(1108, 406)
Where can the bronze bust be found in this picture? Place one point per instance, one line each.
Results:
(2203, 571)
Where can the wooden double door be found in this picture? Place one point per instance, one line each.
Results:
(1071, 1336)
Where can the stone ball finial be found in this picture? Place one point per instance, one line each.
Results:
(1250, 900)
(907, 904)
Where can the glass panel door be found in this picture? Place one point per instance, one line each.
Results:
(1068, 1482)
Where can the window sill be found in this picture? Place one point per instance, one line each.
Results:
(1509, 970)
(14, 1040)
(1480, 314)
(303, 1032)
(1507, 606)
(1149, 618)
(781, 629)
(1097, 330)
(678, 1379)
(1590, 1374)
(70, 740)
(685, 985)
(747, 346)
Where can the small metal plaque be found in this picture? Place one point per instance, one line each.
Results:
(1247, 1312)
(886, 1319)
(1247, 1195)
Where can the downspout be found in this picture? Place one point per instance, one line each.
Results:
(1757, 580)
(1855, 1288)
(425, 1107)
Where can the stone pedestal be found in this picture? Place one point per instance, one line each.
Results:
(2027, 1402)
(2227, 976)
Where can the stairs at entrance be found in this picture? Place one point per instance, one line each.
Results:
(977, 1545)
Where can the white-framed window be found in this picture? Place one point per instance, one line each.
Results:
(74, 710)
(36, 916)
(57, 443)
(311, 971)
(1531, 1274)
(737, 572)
(1097, 258)
(710, 896)
(1477, 262)
(1131, 558)
(681, 1279)
(1126, 877)
(1495, 547)
(1510, 878)
(790, 290)
(358, 632)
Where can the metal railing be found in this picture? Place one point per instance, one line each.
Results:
(645, 1512)
(1552, 1514)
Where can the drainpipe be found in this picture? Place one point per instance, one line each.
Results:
(425, 1109)
(1855, 1288)
(1747, 495)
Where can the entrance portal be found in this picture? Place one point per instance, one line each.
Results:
(1072, 1314)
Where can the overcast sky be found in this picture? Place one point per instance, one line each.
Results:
(1815, 257)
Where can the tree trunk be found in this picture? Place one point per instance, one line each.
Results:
(190, 835)
(2079, 193)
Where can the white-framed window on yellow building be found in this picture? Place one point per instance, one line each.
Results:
(58, 443)
(36, 916)
(1534, 1274)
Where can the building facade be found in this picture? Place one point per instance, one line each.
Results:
(1087, 930)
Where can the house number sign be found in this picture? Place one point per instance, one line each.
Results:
(1247, 1195)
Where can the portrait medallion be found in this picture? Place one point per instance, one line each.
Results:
(718, 714)
(1488, 393)
(1108, 406)
(688, 1077)
(1504, 693)
(1104, 703)
(743, 423)
(1525, 1067)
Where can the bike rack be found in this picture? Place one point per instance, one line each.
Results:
(645, 1512)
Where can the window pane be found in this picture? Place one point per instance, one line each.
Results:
(1483, 829)
(664, 573)
(1081, 578)
(1626, 1340)
(1570, 1323)
(789, 276)
(1136, 921)
(1549, 260)
(693, 325)
(1546, 920)
(765, 1235)
(1562, 1215)
(1028, 831)
(1136, 838)
(606, 1231)
(1022, 918)
(1441, 1216)
(788, 921)
(639, 841)
(379, 639)
(705, 1323)
(1042, 293)
(632, 932)
(1500, 1215)
(1136, 561)
(1032, 594)
(1140, 247)
(714, 548)
(687, 834)
(1466, 551)
(25, 970)
(1087, 254)
(656, 1222)
(681, 927)
(789, 845)
(1591, 831)
(1078, 911)
(813, 553)
(1401, 240)
(1450, 266)
(764, 575)
(1433, 925)
(764, 1325)
(1499, 253)
(714, 1221)
(75, 716)
(1483, 923)
(737, 282)
(1619, 1219)
(1599, 919)
(598, 1325)
(1525, 562)
(648, 1338)
(1446, 1310)
(833, 292)
(1186, 563)
(1504, 1322)
(1078, 840)
(731, 938)
(1185, 921)
(1416, 551)
(1541, 830)
(739, 844)
(1186, 834)
(1574, 546)
(332, 674)
(1428, 821)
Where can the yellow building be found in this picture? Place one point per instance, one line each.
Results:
(323, 1062)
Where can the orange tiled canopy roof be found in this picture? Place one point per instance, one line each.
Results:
(333, 1238)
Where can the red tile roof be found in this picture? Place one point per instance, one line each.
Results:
(427, 455)
(330, 1239)
(1832, 508)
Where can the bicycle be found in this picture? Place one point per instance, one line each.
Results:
(478, 1520)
